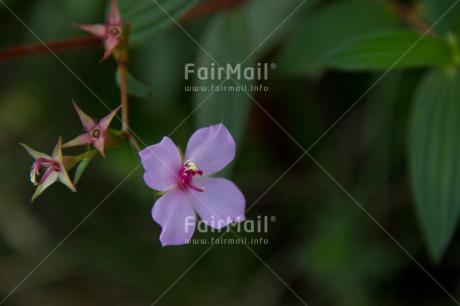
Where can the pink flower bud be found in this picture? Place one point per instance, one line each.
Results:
(95, 131)
(52, 167)
(109, 32)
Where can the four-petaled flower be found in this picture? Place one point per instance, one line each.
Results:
(187, 186)
(53, 168)
(109, 32)
(95, 131)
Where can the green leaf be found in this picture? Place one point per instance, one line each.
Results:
(148, 17)
(80, 169)
(434, 159)
(270, 20)
(172, 52)
(395, 49)
(330, 28)
(222, 35)
(135, 87)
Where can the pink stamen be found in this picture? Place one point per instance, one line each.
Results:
(41, 163)
(45, 176)
(195, 188)
(186, 174)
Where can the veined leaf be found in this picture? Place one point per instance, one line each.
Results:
(151, 16)
(270, 20)
(226, 39)
(329, 29)
(434, 157)
(396, 49)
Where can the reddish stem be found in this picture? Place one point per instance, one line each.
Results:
(200, 10)
(124, 105)
(56, 46)
(409, 15)
(209, 7)
(124, 96)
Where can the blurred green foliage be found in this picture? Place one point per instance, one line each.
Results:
(395, 152)
(219, 41)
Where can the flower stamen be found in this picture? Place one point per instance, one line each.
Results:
(40, 164)
(96, 133)
(186, 174)
(114, 31)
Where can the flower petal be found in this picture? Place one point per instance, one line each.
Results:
(64, 179)
(99, 145)
(105, 122)
(175, 214)
(48, 182)
(57, 152)
(87, 121)
(99, 30)
(109, 45)
(161, 162)
(220, 203)
(211, 148)
(78, 141)
(35, 154)
(114, 14)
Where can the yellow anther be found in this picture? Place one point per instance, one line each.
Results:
(190, 165)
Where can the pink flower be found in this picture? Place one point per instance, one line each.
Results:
(187, 186)
(53, 168)
(95, 131)
(109, 32)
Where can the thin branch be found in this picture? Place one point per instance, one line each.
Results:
(409, 15)
(134, 143)
(209, 7)
(56, 46)
(200, 10)
(124, 97)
